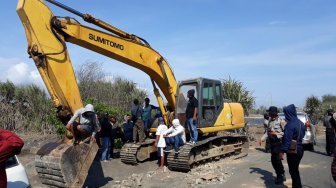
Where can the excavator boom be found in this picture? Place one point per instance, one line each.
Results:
(63, 165)
(47, 34)
(60, 164)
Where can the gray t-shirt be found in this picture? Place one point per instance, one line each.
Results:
(85, 120)
(137, 111)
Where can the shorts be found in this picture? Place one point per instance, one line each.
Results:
(160, 152)
(87, 128)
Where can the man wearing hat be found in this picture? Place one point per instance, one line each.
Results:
(330, 134)
(160, 142)
(191, 115)
(275, 134)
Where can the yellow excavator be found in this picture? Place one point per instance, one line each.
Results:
(66, 165)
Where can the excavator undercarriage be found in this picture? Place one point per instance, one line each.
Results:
(215, 147)
(207, 150)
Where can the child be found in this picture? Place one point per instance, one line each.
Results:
(160, 142)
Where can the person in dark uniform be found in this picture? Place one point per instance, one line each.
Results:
(275, 134)
(330, 133)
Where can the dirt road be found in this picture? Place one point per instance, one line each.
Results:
(255, 171)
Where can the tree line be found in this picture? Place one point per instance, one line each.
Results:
(28, 108)
(317, 107)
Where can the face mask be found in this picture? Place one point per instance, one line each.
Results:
(88, 113)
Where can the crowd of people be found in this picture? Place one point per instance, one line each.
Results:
(283, 135)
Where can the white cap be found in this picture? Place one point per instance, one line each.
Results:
(176, 122)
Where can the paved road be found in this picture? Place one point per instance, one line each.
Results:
(256, 169)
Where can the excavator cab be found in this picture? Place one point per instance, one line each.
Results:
(210, 100)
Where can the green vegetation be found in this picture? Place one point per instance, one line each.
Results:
(28, 108)
(235, 91)
(317, 108)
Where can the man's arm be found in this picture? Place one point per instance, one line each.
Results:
(168, 131)
(179, 130)
(195, 114)
(195, 110)
(96, 125)
(286, 141)
(154, 107)
(74, 117)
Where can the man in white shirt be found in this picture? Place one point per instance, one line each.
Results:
(160, 142)
(175, 136)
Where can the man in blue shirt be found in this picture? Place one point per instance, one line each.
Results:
(147, 114)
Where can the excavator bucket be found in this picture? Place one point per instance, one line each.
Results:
(63, 165)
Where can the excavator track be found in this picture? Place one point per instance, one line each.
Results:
(64, 165)
(132, 153)
(207, 150)
(128, 153)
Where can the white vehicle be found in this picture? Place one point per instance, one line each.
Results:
(309, 140)
(16, 174)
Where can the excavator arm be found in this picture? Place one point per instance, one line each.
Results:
(47, 36)
(60, 164)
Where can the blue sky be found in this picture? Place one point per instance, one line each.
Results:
(283, 51)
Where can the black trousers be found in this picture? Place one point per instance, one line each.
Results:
(112, 146)
(277, 164)
(293, 161)
(276, 161)
(330, 139)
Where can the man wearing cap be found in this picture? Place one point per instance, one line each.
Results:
(175, 136)
(160, 142)
(275, 134)
(330, 134)
(191, 115)
(88, 123)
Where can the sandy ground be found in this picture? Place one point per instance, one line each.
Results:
(225, 172)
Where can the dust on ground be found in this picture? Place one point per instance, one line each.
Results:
(119, 175)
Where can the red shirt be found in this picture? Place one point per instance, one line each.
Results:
(10, 144)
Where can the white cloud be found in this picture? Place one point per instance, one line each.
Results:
(19, 72)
